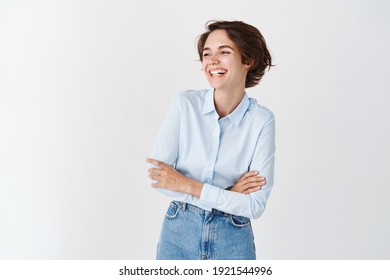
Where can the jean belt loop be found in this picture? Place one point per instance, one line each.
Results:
(183, 206)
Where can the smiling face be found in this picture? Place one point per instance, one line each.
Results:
(222, 62)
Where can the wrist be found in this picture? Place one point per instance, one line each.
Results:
(194, 187)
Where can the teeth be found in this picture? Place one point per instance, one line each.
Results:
(217, 72)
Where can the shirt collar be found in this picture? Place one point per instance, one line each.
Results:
(208, 105)
(235, 116)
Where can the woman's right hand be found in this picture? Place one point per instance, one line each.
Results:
(249, 182)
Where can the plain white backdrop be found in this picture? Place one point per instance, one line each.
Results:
(84, 86)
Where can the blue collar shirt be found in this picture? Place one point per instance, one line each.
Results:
(218, 151)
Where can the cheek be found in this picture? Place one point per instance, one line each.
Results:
(204, 66)
(242, 69)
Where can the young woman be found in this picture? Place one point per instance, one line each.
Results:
(214, 155)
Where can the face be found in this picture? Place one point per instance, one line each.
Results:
(222, 62)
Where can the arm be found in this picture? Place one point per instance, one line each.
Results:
(169, 178)
(247, 197)
(166, 148)
(253, 204)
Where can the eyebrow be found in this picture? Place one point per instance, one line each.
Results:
(220, 47)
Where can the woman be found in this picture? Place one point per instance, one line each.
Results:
(212, 148)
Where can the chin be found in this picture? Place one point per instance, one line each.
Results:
(215, 84)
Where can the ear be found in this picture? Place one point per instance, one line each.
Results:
(248, 64)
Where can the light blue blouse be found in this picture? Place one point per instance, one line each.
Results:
(217, 152)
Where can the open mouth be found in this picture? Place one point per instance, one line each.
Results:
(217, 72)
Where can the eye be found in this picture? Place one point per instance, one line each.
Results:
(225, 52)
(206, 54)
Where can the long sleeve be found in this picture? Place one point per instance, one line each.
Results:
(249, 205)
(166, 148)
(218, 151)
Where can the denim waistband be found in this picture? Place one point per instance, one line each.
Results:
(189, 207)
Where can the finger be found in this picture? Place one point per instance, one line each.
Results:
(251, 186)
(241, 188)
(157, 185)
(251, 190)
(249, 174)
(155, 177)
(250, 182)
(262, 183)
(155, 171)
(247, 188)
(155, 162)
(253, 179)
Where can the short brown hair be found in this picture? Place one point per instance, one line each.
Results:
(251, 45)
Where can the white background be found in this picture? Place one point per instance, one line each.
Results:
(84, 86)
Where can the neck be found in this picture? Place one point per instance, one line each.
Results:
(227, 101)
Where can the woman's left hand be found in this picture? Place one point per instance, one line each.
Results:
(250, 182)
(171, 179)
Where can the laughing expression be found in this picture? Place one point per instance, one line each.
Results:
(222, 62)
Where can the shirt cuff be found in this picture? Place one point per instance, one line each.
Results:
(210, 194)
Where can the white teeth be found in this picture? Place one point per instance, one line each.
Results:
(217, 72)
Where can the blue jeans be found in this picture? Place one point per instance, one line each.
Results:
(191, 233)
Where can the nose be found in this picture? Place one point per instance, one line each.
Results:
(213, 60)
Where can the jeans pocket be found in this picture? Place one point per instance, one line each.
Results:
(172, 211)
(239, 221)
